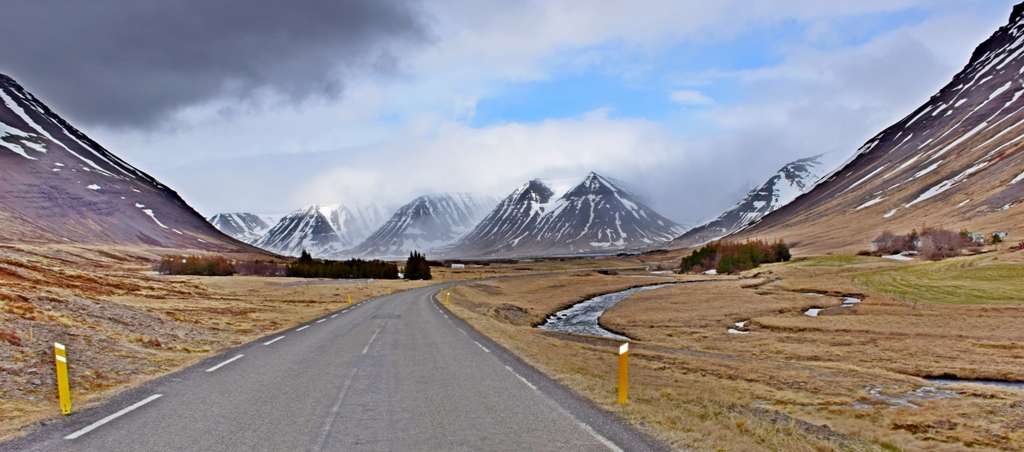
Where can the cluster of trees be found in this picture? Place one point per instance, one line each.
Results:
(731, 257)
(307, 267)
(931, 242)
(195, 265)
(417, 267)
(260, 268)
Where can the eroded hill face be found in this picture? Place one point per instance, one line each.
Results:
(956, 161)
(60, 186)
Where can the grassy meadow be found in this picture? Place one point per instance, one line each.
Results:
(851, 378)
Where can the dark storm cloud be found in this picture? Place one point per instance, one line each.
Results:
(132, 63)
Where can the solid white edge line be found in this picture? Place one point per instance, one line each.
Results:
(321, 321)
(607, 443)
(481, 346)
(300, 329)
(116, 415)
(273, 340)
(523, 379)
(218, 366)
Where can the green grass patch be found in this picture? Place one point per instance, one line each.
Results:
(960, 281)
(841, 260)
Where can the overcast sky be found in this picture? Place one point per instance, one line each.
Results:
(264, 106)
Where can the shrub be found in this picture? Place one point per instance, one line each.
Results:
(195, 265)
(731, 257)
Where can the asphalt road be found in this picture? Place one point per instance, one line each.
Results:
(395, 373)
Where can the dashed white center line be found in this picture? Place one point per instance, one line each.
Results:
(481, 346)
(367, 348)
(300, 329)
(273, 340)
(333, 316)
(321, 321)
(218, 366)
(116, 415)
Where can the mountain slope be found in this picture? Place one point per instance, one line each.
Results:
(595, 216)
(782, 188)
(322, 230)
(515, 218)
(246, 227)
(60, 186)
(425, 224)
(956, 161)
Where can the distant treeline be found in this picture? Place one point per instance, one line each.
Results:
(216, 266)
(307, 267)
(731, 257)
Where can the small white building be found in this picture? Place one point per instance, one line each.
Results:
(458, 265)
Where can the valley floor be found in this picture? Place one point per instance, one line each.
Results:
(851, 378)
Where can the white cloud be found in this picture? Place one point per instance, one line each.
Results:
(686, 97)
(391, 140)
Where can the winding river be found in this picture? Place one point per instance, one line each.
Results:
(581, 318)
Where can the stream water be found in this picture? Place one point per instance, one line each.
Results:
(940, 382)
(581, 318)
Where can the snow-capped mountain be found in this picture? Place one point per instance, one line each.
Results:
(322, 230)
(60, 186)
(246, 227)
(956, 161)
(595, 216)
(782, 188)
(515, 218)
(425, 224)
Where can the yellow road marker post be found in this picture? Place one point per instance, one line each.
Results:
(442, 276)
(624, 373)
(389, 291)
(349, 298)
(63, 387)
(447, 298)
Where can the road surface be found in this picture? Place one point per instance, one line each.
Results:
(394, 373)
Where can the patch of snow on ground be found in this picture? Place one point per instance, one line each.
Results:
(891, 213)
(869, 176)
(740, 324)
(947, 184)
(711, 272)
(965, 202)
(871, 203)
(898, 257)
(927, 170)
(734, 331)
(1019, 178)
(813, 312)
(93, 187)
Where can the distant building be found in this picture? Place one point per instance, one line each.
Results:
(458, 265)
(976, 237)
(1001, 234)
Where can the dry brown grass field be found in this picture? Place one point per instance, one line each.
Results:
(786, 376)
